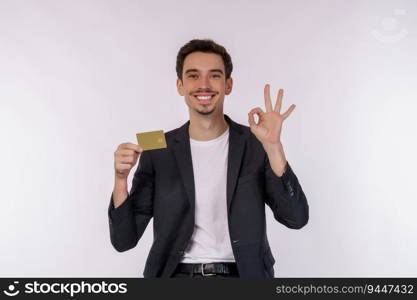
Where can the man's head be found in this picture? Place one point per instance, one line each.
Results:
(204, 71)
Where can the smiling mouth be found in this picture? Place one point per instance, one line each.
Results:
(204, 98)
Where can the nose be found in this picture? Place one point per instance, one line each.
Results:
(204, 82)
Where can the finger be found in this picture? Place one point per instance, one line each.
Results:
(131, 146)
(121, 167)
(279, 101)
(127, 159)
(267, 97)
(251, 120)
(257, 111)
(125, 152)
(288, 112)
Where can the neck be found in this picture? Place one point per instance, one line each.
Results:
(205, 128)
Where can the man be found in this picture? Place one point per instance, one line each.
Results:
(207, 190)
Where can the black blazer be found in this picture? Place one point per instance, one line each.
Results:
(163, 188)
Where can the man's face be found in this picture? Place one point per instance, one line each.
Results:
(203, 82)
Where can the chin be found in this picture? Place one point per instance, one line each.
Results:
(205, 113)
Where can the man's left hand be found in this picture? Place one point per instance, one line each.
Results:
(268, 128)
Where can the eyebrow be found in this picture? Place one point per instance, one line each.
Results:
(212, 70)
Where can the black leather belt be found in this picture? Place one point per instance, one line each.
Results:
(208, 269)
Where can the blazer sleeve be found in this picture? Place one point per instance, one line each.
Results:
(285, 197)
(128, 221)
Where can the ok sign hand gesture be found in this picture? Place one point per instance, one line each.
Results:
(268, 128)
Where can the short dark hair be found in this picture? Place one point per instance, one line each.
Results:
(207, 46)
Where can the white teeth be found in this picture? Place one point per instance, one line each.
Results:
(203, 97)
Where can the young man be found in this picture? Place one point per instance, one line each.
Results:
(207, 190)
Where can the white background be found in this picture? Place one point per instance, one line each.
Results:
(77, 78)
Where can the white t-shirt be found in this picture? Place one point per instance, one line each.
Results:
(210, 241)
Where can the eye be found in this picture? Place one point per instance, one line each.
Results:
(192, 76)
(216, 76)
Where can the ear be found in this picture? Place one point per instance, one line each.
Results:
(180, 87)
(229, 85)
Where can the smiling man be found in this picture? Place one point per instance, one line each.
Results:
(207, 191)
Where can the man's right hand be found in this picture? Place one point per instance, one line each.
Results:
(125, 157)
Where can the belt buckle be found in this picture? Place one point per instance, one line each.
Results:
(205, 274)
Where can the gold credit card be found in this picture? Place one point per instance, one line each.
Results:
(152, 140)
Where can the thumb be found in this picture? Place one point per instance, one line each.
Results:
(251, 120)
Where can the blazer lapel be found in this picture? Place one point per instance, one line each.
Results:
(182, 152)
(237, 145)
